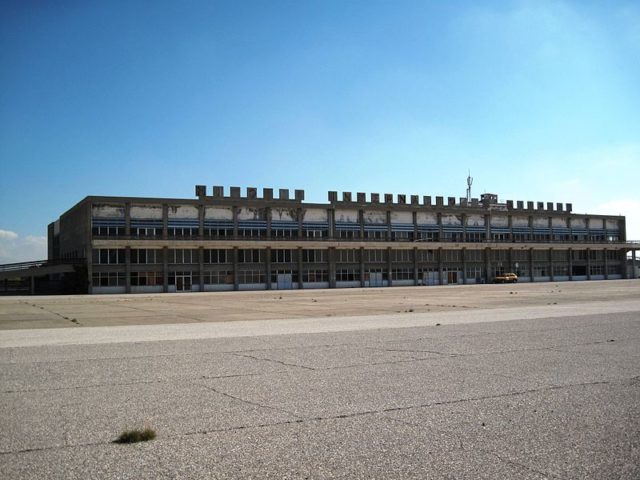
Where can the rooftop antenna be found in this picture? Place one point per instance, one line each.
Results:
(469, 183)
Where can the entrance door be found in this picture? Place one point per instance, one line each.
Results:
(285, 281)
(183, 282)
(452, 277)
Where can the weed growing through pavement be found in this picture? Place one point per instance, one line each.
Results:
(137, 435)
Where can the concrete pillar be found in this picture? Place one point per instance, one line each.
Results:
(201, 266)
(300, 215)
(415, 226)
(570, 262)
(201, 222)
(388, 234)
(440, 272)
(267, 267)
(440, 231)
(362, 267)
(633, 264)
(551, 276)
(588, 264)
(510, 260)
(127, 269)
(300, 267)
(464, 266)
(606, 264)
(331, 260)
(234, 257)
(127, 219)
(487, 265)
(165, 268)
(415, 263)
(389, 263)
(269, 218)
(32, 285)
(487, 230)
(361, 224)
(234, 209)
(165, 221)
(531, 274)
(510, 234)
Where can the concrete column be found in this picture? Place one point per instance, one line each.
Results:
(300, 267)
(331, 220)
(510, 234)
(551, 276)
(127, 219)
(487, 229)
(201, 266)
(415, 261)
(127, 269)
(389, 263)
(300, 214)
(606, 264)
(32, 285)
(269, 218)
(440, 273)
(588, 263)
(440, 231)
(550, 220)
(570, 263)
(509, 260)
(464, 266)
(415, 227)
(487, 265)
(201, 222)
(234, 257)
(362, 267)
(331, 261)
(165, 268)
(165, 221)
(267, 267)
(234, 209)
(361, 223)
(531, 274)
(389, 234)
(633, 264)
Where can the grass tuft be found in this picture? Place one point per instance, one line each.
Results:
(134, 436)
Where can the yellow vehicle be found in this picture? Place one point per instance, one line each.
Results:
(506, 278)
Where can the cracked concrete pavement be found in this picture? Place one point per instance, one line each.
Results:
(533, 391)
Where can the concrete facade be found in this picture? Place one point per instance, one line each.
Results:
(248, 241)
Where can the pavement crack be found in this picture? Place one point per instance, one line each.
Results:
(271, 360)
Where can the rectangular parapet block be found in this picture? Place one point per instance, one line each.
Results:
(474, 202)
(539, 205)
(235, 192)
(402, 199)
(559, 207)
(283, 194)
(451, 201)
(550, 206)
(267, 193)
(569, 207)
(252, 193)
(388, 198)
(201, 191)
(375, 198)
(509, 204)
(439, 201)
(333, 196)
(362, 197)
(299, 195)
(520, 205)
(426, 200)
(218, 191)
(346, 196)
(415, 200)
(529, 205)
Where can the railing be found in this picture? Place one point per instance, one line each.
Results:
(10, 267)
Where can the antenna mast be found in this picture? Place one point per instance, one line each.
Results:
(469, 183)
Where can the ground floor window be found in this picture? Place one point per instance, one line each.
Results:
(402, 273)
(314, 276)
(474, 272)
(218, 278)
(108, 279)
(597, 270)
(347, 275)
(146, 278)
(561, 270)
(251, 276)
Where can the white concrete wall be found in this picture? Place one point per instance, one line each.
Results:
(246, 213)
(314, 215)
(218, 213)
(451, 220)
(499, 221)
(401, 217)
(283, 215)
(612, 225)
(373, 217)
(427, 218)
(541, 222)
(560, 222)
(346, 216)
(183, 211)
(520, 221)
(146, 212)
(475, 220)
(596, 223)
(578, 223)
(107, 211)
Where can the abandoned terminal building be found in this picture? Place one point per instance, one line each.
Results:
(231, 241)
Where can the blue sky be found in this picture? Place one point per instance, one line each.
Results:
(538, 99)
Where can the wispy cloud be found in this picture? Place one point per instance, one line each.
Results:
(15, 248)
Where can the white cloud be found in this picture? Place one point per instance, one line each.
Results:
(14, 248)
